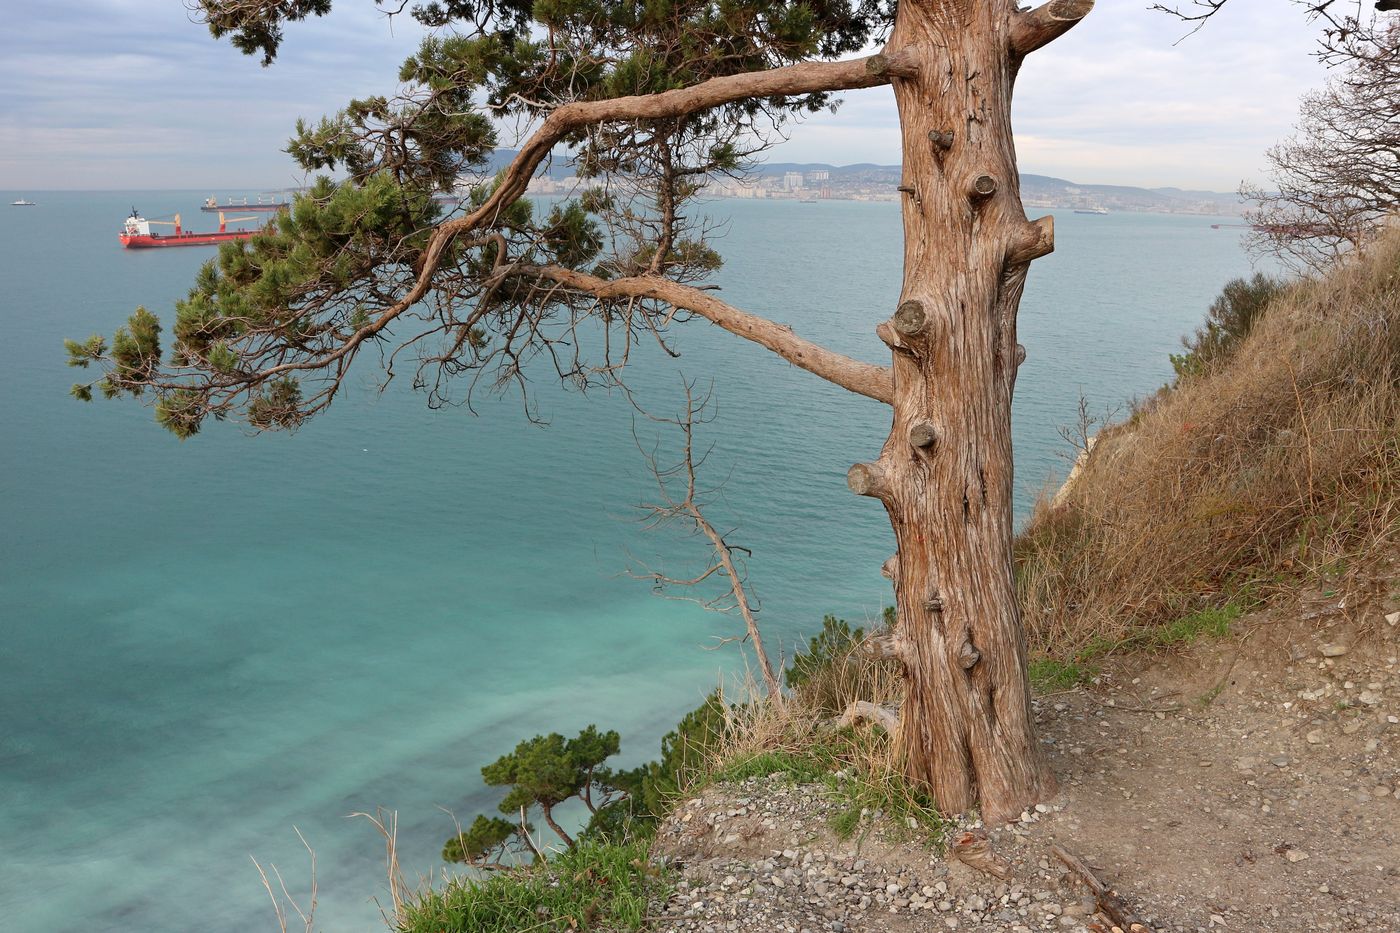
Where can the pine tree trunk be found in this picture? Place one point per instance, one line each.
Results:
(945, 473)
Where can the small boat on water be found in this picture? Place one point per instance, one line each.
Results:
(136, 234)
(1097, 211)
(22, 203)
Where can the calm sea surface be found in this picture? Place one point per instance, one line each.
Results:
(208, 643)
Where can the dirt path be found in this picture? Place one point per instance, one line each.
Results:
(1246, 784)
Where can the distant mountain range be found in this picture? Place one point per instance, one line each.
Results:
(1036, 190)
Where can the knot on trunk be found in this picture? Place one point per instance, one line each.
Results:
(983, 187)
(968, 656)
(942, 139)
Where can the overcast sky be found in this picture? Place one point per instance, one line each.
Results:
(112, 94)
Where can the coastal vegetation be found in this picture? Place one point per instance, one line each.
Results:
(647, 101)
(1268, 466)
(1272, 459)
(1270, 469)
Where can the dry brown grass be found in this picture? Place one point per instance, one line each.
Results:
(1281, 465)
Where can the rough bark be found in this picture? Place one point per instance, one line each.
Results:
(945, 473)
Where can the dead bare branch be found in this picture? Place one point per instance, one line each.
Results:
(687, 507)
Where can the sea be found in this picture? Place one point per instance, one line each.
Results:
(213, 645)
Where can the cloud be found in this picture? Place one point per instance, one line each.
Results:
(1120, 100)
(131, 93)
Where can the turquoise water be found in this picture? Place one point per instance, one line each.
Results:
(208, 643)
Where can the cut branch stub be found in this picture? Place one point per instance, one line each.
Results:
(890, 568)
(867, 479)
(910, 319)
(984, 186)
(893, 64)
(1020, 354)
(923, 435)
(934, 603)
(1035, 239)
(884, 645)
(1032, 29)
(888, 336)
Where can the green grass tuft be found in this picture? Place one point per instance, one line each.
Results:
(800, 769)
(1207, 623)
(594, 886)
(1204, 623)
(854, 766)
(910, 812)
(1051, 674)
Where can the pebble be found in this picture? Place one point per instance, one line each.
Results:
(1334, 650)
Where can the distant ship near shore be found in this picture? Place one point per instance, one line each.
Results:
(263, 203)
(268, 203)
(22, 203)
(1091, 210)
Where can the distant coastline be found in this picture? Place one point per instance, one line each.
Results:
(790, 181)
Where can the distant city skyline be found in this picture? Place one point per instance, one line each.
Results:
(132, 94)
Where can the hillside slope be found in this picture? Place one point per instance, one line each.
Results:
(1277, 464)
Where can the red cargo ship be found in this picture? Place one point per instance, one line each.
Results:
(137, 233)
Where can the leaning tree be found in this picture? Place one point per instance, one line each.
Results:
(650, 100)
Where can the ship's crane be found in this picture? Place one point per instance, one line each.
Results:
(223, 221)
(231, 220)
